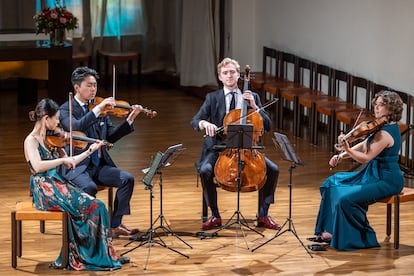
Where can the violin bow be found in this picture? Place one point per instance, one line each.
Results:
(70, 125)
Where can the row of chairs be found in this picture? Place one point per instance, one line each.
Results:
(324, 96)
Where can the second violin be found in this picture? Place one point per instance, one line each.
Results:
(61, 138)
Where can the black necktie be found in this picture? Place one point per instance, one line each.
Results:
(85, 108)
(233, 101)
(90, 132)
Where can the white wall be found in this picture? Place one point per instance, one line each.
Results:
(368, 38)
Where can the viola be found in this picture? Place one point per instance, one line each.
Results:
(362, 130)
(121, 109)
(60, 138)
(226, 169)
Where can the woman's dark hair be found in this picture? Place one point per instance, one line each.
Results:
(393, 102)
(80, 73)
(44, 107)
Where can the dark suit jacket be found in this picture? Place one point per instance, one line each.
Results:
(214, 111)
(104, 128)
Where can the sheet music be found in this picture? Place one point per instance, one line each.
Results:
(282, 142)
(169, 155)
(152, 170)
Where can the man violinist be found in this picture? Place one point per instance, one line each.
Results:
(209, 118)
(99, 168)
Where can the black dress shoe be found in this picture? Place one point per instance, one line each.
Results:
(124, 260)
(318, 239)
(317, 247)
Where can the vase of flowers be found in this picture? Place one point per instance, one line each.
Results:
(54, 22)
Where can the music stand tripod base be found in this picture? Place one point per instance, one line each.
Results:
(239, 136)
(152, 237)
(282, 142)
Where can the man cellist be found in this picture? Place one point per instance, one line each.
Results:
(210, 118)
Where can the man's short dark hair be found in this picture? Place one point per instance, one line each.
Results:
(80, 73)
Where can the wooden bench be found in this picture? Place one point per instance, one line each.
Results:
(27, 211)
(407, 194)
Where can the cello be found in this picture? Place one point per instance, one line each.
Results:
(253, 171)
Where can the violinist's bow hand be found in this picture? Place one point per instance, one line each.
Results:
(107, 104)
(333, 162)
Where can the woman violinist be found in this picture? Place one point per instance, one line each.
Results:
(209, 118)
(342, 221)
(52, 192)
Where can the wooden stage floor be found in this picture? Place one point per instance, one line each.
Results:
(227, 254)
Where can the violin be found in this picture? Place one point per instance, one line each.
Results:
(121, 109)
(61, 138)
(361, 130)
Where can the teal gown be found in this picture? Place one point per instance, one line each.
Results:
(347, 195)
(90, 244)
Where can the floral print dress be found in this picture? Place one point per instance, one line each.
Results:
(90, 244)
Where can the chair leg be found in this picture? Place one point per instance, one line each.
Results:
(19, 238)
(42, 226)
(129, 72)
(388, 222)
(107, 80)
(110, 202)
(204, 215)
(296, 117)
(14, 239)
(397, 221)
(65, 240)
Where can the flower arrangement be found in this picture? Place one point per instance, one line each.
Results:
(48, 20)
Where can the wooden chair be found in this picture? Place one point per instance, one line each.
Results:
(204, 207)
(110, 205)
(407, 194)
(340, 88)
(27, 211)
(118, 57)
(304, 76)
(270, 69)
(322, 92)
(285, 79)
(362, 104)
(81, 59)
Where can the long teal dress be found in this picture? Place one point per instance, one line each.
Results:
(347, 195)
(90, 245)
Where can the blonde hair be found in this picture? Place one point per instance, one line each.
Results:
(226, 61)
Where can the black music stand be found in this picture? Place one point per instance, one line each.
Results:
(160, 161)
(282, 143)
(239, 137)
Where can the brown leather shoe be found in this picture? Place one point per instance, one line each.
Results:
(211, 223)
(119, 231)
(268, 223)
(132, 231)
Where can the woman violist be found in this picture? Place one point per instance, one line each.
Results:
(342, 219)
(209, 118)
(51, 192)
